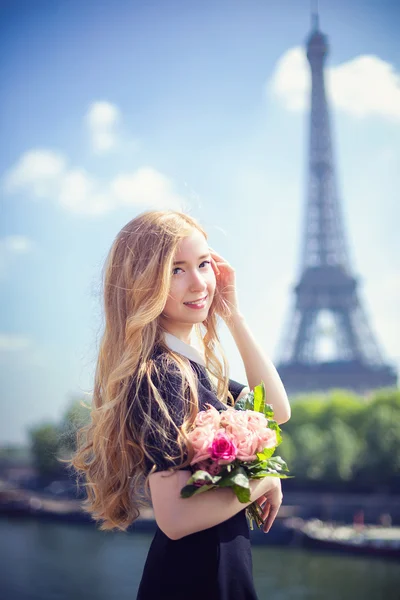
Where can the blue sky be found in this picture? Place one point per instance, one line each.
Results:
(110, 108)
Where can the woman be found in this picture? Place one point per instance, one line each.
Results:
(164, 289)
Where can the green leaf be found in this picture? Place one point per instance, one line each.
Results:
(238, 476)
(246, 402)
(260, 474)
(256, 465)
(203, 476)
(277, 463)
(242, 494)
(191, 490)
(268, 411)
(274, 425)
(238, 480)
(266, 453)
(259, 397)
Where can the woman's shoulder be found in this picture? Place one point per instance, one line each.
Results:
(164, 370)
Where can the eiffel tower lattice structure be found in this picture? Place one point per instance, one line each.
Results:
(327, 342)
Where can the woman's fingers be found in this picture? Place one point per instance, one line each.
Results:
(266, 510)
(271, 518)
(214, 264)
(218, 256)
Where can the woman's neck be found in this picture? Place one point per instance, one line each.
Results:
(185, 334)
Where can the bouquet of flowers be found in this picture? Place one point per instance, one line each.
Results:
(233, 446)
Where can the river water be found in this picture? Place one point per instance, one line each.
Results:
(40, 560)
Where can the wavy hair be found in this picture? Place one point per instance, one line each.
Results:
(110, 450)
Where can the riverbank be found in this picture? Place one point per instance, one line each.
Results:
(292, 526)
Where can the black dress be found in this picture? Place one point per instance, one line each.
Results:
(212, 564)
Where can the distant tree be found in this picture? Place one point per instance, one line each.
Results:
(341, 437)
(344, 406)
(386, 396)
(305, 410)
(342, 450)
(286, 449)
(380, 460)
(308, 455)
(44, 443)
(76, 416)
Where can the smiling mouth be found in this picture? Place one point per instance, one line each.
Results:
(197, 302)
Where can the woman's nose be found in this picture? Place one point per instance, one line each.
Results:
(197, 282)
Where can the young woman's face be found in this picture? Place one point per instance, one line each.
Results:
(192, 280)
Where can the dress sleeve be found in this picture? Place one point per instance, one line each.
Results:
(169, 385)
(235, 388)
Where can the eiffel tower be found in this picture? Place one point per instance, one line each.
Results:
(327, 342)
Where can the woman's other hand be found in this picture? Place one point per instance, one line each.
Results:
(226, 297)
(270, 501)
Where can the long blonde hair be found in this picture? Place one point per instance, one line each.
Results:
(111, 450)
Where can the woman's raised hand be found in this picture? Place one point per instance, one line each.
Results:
(226, 301)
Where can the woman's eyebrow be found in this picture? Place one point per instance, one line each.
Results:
(183, 262)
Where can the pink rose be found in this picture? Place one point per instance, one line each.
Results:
(256, 421)
(232, 418)
(208, 417)
(201, 439)
(247, 444)
(223, 448)
(266, 439)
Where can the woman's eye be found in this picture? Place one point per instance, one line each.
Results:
(208, 262)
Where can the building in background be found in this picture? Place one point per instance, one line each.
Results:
(327, 341)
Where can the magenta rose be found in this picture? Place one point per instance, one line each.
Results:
(223, 448)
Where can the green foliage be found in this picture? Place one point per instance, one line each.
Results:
(76, 416)
(15, 454)
(305, 411)
(345, 408)
(49, 442)
(287, 448)
(246, 402)
(341, 437)
(45, 445)
(386, 396)
(308, 462)
(381, 442)
(238, 480)
(204, 480)
(259, 397)
(342, 450)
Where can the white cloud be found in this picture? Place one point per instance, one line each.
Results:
(16, 244)
(146, 186)
(38, 170)
(102, 120)
(12, 246)
(79, 192)
(362, 87)
(14, 342)
(19, 350)
(382, 294)
(291, 81)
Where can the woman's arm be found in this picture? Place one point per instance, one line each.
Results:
(259, 367)
(178, 517)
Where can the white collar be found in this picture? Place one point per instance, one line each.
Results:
(177, 345)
